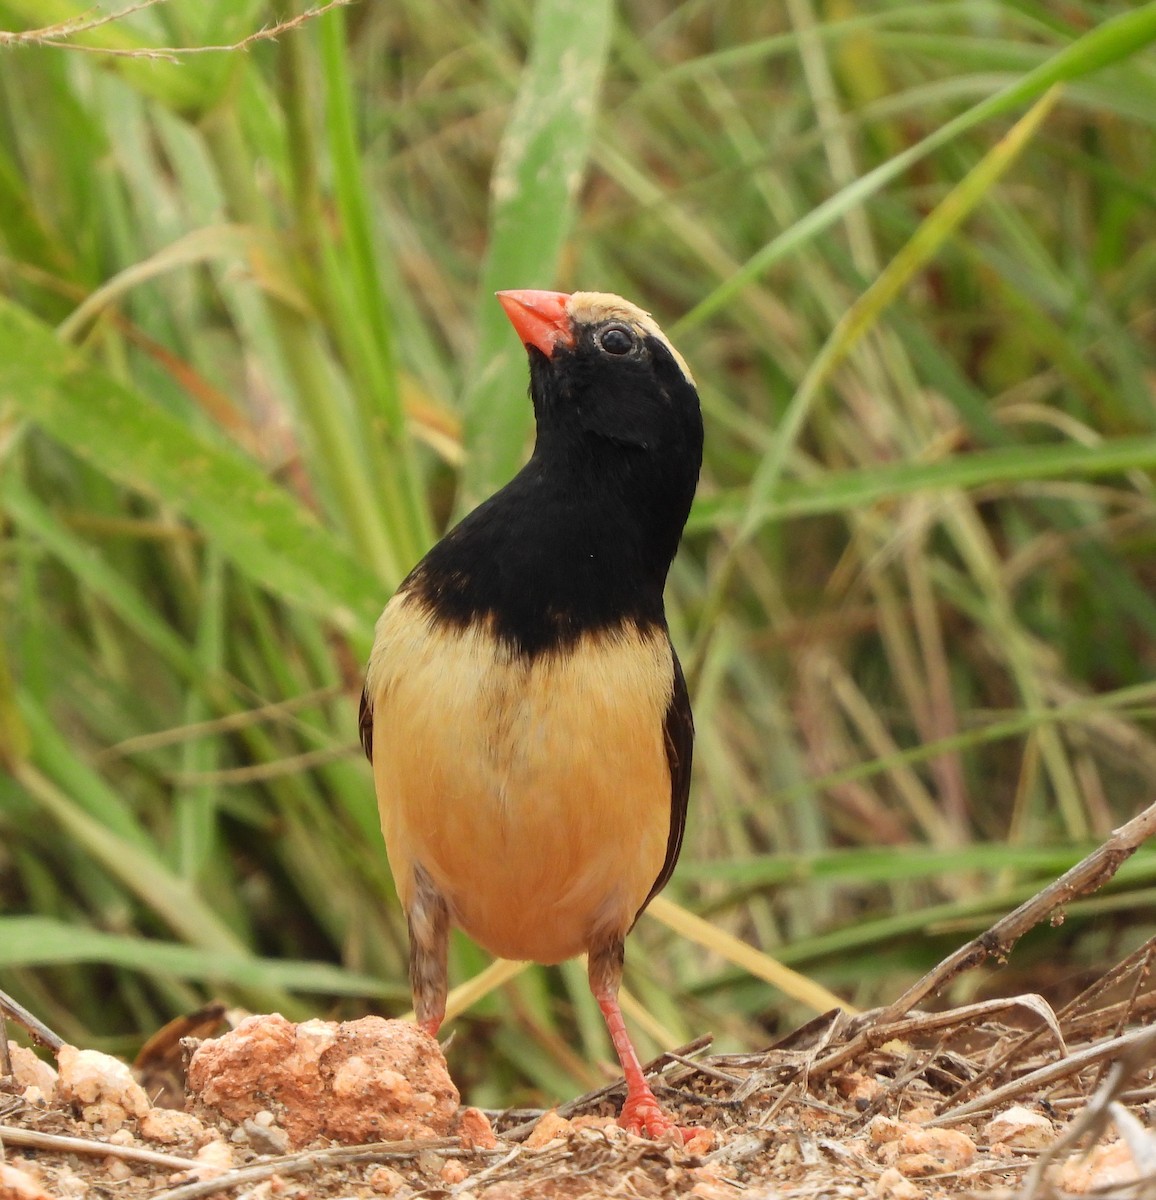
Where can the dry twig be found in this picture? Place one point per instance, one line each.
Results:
(1077, 1027)
(5, 1057)
(34, 1139)
(37, 1030)
(62, 34)
(1071, 1065)
(1086, 876)
(1095, 1117)
(877, 1033)
(487, 1173)
(59, 33)
(312, 1160)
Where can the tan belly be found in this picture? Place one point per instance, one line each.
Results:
(535, 794)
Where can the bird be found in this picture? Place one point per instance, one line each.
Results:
(525, 713)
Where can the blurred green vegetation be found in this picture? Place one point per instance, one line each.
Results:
(250, 366)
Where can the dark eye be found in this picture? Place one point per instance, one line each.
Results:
(616, 339)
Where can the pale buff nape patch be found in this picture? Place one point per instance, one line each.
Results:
(591, 308)
(535, 793)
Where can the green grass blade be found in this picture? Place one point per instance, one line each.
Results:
(42, 942)
(1110, 42)
(885, 866)
(840, 492)
(368, 321)
(867, 310)
(540, 165)
(265, 533)
(129, 861)
(94, 573)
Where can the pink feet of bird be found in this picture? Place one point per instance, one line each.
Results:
(641, 1113)
(643, 1116)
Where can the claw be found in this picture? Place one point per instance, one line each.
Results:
(643, 1116)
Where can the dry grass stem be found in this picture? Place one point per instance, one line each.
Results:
(32, 1139)
(35, 1027)
(63, 34)
(1086, 876)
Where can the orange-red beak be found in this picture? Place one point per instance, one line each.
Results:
(540, 318)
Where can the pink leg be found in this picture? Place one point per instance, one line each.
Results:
(641, 1114)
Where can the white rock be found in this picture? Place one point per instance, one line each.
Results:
(101, 1086)
(1021, 1127)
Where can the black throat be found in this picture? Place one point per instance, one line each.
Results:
(582, 538)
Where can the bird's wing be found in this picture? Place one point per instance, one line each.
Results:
(365, 724)
(678, 736)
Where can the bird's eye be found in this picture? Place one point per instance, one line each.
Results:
(616, 339)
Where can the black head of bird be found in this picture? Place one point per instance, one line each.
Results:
(524, 710)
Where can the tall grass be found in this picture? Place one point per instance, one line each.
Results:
(250, 366)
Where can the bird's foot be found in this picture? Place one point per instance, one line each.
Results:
(643, 1116)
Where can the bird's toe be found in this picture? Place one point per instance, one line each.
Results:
(643, 1116)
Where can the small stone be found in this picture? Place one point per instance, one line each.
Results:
(274, 1186)
(951, 1149)
(884, 1129)
(430, 1162)
(453, 1172)
(918, 1166)
(1109, 1164)
(31, 1071)
(787, 1155)
(16, 1184)
(100, 1087)
(170, 1126)
(701, 1141)
(590, 1121)
(117, 1169)
(1020, 1127)
(550, 1126)
(475, 1131)
(213, 1160)
(357, 1081)
(893, 1185)
(859, 1088)
(386, 1181)
(266, 1139)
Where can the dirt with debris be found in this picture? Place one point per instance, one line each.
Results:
(1004, 1097)
(1000, 1097)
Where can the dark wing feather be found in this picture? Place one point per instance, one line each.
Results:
(678, 731)
(365, 724)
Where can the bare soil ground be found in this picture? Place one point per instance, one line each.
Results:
(1001, 1097)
